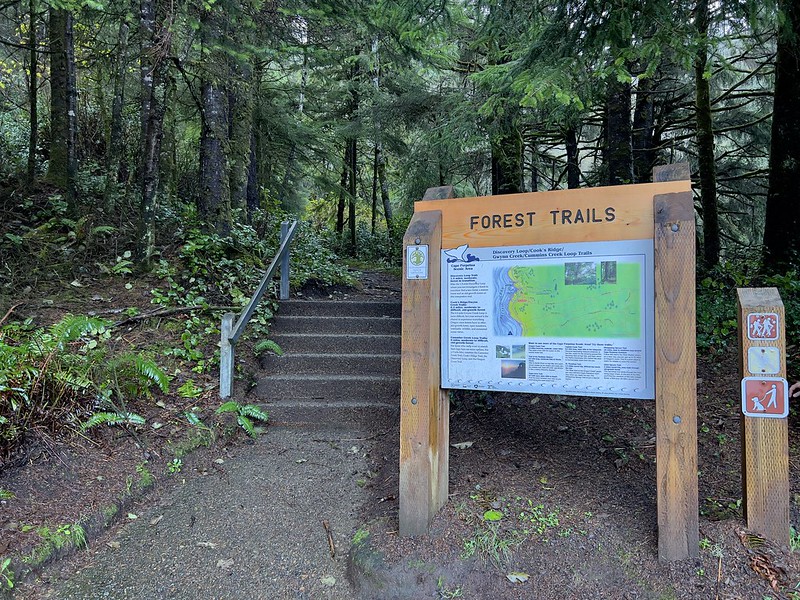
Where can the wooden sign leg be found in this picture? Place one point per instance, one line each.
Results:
(424, 406)
(676, 377)
(765, 441)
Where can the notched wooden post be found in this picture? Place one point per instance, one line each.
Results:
(424, 410)
(676, 376)
(765, 441)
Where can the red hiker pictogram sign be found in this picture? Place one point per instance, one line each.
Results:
(765, 397)
(762, 326)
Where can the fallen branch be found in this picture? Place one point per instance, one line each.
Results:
(10, 310)
(331, 545)
(165, 312)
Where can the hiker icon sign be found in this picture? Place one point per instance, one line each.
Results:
(765, 397)
(762, 326)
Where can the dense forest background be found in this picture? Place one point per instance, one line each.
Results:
(142, 114)
(150, 148)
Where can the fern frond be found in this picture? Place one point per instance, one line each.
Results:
(267, 346)
(193, 419)
(112, 418)
(75, 381)
(73, 327)
(150, 370)
(254, 412)
(247, 425)
(229, 406)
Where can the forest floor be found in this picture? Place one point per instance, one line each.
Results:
(573, 477)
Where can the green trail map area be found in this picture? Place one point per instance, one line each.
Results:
(593, 299)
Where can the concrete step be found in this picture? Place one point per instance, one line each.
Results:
(339, 308)
(337, 342)
(327, 325)
(331, 364)
(348, 416)
(328, 388)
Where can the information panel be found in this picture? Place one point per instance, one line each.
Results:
(572, 319)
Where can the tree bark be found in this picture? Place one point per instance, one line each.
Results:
(782, 227)
(705, 143)
(573, 159)
(215, 199)
(153, 107)
(63, 100)
(343, 190)
(506, 146)
(352, 189)
(383, 183)
(33, 139)
(642, 134)
(116, 170)
(619, 151)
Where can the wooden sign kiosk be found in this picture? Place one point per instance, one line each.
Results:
(662, 211)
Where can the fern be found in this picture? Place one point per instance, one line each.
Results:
(140, 372)
(254, 412)
(229, 406)
(247, 425)
(112, 418)
(245, 415)
(267, 346)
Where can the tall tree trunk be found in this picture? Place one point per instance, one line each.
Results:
(343, 190)
(506, 146)
(63, 100)
(534, 169)
(252, 178)
(380, 159)
(573, 158)
(619, 151)
(642, 135)
(705, 142)
(782, 227)
(374, 213)
(33, 140)
(352, 189)
(240, 103)
(116, 170)
(215, 199)
(383, 183)
(153, 107)
(288, 195)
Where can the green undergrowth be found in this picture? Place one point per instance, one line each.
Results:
(64, 376)
(717, 322)
(501, 524)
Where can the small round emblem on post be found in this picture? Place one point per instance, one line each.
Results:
(413, 401)
(676, 419)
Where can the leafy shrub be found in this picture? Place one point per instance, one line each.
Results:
(717, 323)
(52, 377)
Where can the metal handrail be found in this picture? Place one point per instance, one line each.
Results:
(231, 333)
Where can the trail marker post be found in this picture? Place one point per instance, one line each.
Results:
(637, 238)
(765, 404)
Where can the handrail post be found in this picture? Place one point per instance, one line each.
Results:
(285, 263)
(226, 356)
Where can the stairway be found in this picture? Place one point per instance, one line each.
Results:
(341, 364)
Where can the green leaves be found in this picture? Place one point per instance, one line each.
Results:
(245, 415)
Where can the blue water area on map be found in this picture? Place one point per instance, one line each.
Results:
(504, 290)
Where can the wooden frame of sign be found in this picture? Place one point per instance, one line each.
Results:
(662, 211)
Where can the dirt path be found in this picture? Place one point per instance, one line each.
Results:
(574, 479)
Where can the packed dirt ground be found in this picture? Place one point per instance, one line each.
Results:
(572, 478)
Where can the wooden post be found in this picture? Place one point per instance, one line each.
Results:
(765, 441)
(676, 375)
(226, 356)
(424, 406)
(285, 263)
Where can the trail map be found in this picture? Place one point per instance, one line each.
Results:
(572, 319)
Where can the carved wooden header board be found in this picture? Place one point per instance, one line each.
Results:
(629, 247)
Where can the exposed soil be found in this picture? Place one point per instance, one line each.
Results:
(573, 477)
